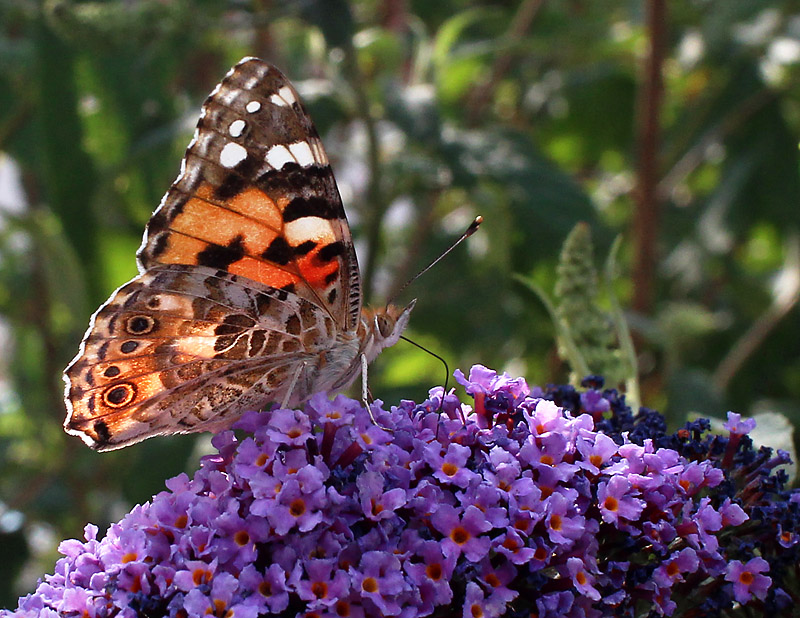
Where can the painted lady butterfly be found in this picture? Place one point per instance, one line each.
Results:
(249, 292)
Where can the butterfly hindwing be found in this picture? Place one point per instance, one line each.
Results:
(181, 347)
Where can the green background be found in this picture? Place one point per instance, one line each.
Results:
(536, 115)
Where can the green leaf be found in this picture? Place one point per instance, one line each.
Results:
(628, 363)
(568, 349)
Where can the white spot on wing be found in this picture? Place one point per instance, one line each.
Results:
(309, 228)
(253, 106)
(319, 152)
(202, 143)
(226, 95)
(287, 95)
(284, 97)
(251, 82)
(236, 128)
(302, 153)
(278, 156)
(232, 154)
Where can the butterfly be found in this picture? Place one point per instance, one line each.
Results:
(249, 290)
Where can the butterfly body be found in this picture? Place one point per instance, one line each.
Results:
(249, 292)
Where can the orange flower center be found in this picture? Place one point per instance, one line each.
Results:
(297, 507)
(672, 569)
(434, 571)
(459, 535)
(370, 584)
(201, 576)
(449, 469)
(319, 589)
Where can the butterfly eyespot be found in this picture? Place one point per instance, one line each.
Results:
(112, 372)
(128, 347)
(119, 396)
(141, 324)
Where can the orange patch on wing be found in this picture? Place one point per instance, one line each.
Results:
(182, 250)
(220, 226)
(264, 272)
(258, 205)
(315, 271)
(147, 386)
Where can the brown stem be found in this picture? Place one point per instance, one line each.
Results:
(395, 15)
(750, 341)
(14, 122)
(696, 155)
(518, 28)
(264, 43)
(647, 216)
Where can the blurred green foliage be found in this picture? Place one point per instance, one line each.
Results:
(432, 112)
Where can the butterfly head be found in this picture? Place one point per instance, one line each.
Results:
(384, 327)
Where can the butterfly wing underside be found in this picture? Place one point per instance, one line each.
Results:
(248, 276)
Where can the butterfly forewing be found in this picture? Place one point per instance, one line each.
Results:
(249, 292)
(257, 197)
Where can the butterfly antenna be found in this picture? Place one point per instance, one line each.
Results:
(435, 355)
(473, 227)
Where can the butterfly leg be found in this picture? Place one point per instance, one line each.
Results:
(365, 394)
(364, 389)
(289, 391)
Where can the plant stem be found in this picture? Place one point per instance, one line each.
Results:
(520, 25)
(647, 215)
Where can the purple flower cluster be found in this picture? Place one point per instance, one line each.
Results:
(547, 503)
